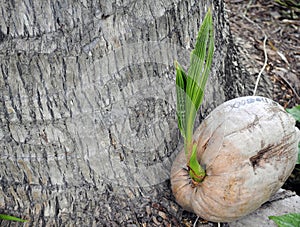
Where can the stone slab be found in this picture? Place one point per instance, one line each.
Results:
(281, 203)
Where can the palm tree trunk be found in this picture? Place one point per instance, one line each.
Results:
(87, 105)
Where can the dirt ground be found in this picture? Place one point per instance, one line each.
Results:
(252, 23)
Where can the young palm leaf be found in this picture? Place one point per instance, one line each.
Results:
(190, 91)
(180, 91)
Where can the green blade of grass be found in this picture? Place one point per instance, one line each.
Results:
(11, 218)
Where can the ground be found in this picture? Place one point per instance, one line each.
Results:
(253, 21)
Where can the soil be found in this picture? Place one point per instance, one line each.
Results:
(253, 21)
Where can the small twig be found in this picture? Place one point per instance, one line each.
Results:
(265, 54)
(266, 60)
(252, 22)
(247, 7)
(264, 66)
(289, 84)
(195, 223)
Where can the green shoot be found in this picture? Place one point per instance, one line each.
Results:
(190, 91)
(11, 218)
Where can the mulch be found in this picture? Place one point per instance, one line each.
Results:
(253, 21)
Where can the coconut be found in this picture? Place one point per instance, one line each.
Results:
(248, 147)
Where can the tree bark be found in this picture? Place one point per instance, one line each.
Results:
(87, 105)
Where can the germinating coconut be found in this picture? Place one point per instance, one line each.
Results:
(248, 147)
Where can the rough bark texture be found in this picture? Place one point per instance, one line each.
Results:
(87, 105)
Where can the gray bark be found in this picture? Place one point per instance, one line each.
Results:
(87, 105)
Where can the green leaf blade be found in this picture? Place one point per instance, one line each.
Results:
(11, 218)
(287, 220)
(295, 112)
(190, 91)
(197, 96)
(201, 61)
(298, 160)
(198, 73)
(181, 80)
(209, 58)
